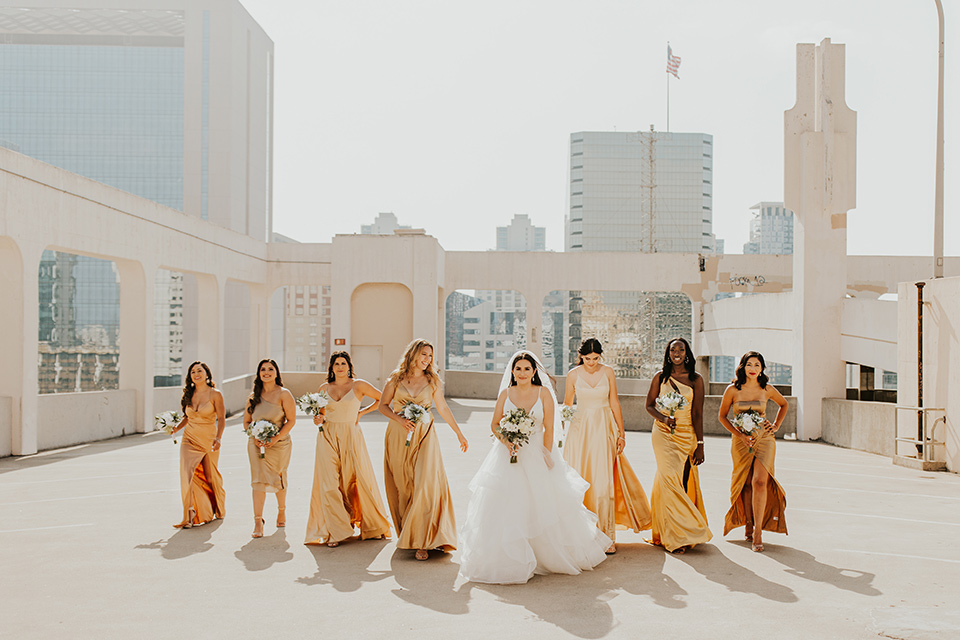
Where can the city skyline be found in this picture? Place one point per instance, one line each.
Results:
(445, 115)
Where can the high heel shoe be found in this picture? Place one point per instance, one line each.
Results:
(282, 517)
(257, 527)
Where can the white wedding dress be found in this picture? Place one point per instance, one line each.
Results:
(528, 517)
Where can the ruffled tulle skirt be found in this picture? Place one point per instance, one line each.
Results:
(527, 517)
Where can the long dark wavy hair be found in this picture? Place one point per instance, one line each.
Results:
(533, 363)
(741, 378)
(689, 362)
(255, 398)
(333, 358)
(189, 387)
(588, 346)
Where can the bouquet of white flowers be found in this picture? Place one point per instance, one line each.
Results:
(167, 422)
(312, 404)
(516, 427)
(417, 413)
(262, 430)
(671, 403)
(566, 416)
(749, 423)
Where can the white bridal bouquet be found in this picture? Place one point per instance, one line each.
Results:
(262, 430)
(167, 422)
(566, 416)
(749, 423)
(313, 404)
(671, 403)
(417, 413)
(516, 427)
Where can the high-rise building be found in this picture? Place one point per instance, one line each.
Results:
(648, 191)
(384, 224)
(170, 100)
(645, 191)
(521, 235)
(771, 230)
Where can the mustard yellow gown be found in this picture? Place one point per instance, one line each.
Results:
(679, 518)
(201, 485)
(417, 490)
(269, 473)
(345, 492)
(764, 452)
(615, 494)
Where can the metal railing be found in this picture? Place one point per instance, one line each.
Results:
(926, 444)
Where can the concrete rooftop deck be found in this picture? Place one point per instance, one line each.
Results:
(88, 550)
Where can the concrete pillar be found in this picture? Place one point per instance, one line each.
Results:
(820, 187)
(259, 324)
(703, 368)
(136, 337)
(534, 300)
(20, 318)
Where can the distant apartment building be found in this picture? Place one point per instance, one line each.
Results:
(170, 100)
(644, 191)
(771, 230)
(384, 224)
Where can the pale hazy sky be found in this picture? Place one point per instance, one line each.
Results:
(456, 115)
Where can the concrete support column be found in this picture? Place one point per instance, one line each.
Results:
(205, 342)
(820, 187)
(136, 338)
(534, 300)
(259, 324)
(20, 315)
(703, 368)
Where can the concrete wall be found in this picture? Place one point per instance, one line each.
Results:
(6, 426)
(72, 418)
(855, 424)
(235, 393)
(941, 360)
(166, 399)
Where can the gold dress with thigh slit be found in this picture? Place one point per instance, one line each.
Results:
(764, 452)
(201, 485)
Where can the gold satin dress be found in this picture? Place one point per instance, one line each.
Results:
(416, 483)
(201, 485)
(269, 473)
(345, 492)
(615, 494)
(764, 452)
(679, 518)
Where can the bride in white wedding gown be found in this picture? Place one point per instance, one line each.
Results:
(527, 517)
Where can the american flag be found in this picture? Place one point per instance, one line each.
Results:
(673, 63)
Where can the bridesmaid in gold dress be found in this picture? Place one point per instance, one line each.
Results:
(416, 483)
(269, 401)
(753, 488)
(594, 446)
(345, 492)
(679, 518)
(201, 485)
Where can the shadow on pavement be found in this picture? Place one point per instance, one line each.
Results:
(262, 553)
(640, 572)
(708, 561)
(345, 567)
(429, 583)
(185, 542)
(804, 565)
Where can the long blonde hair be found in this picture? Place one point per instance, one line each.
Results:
(408, 363)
